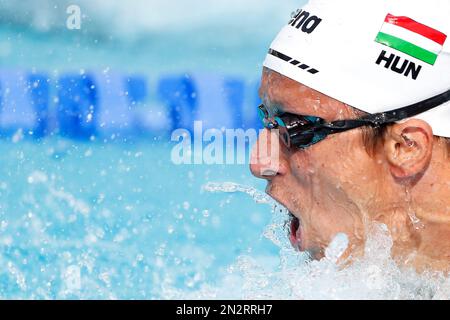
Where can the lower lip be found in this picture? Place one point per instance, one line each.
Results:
(295, 234)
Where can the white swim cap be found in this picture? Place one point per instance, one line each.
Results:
(375, 55)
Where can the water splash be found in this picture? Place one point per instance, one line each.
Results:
(231, 187)
(373, 276)
(417, 224)
(67, 232)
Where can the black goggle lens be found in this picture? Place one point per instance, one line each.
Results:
(294, 129)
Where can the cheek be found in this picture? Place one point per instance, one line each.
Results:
(338, 158)
(303, 167)
(318, 164)
(330, 165)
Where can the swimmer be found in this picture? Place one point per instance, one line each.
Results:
(358, 94)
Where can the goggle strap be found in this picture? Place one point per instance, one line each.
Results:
(382, 118)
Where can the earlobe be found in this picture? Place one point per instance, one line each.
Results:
(408, 147)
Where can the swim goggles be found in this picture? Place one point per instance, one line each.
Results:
(303, 131)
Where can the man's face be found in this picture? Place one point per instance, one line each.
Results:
(326, 185)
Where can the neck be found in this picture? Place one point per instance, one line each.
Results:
(418, 218)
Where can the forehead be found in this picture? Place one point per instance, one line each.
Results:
(281, 94)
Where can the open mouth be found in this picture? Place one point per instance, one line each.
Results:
(295, 232)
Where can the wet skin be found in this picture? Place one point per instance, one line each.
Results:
(338, 186)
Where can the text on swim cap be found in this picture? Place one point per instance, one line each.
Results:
(405, 68)
(302, 19)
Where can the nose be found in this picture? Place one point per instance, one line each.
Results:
(267, 158)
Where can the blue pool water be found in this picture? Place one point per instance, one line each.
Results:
(114, 217)
(119, 221)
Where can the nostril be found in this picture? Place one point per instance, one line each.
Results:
(268, 173)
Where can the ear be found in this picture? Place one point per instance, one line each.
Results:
(408, 147)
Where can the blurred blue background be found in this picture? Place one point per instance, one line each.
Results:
(91, 205)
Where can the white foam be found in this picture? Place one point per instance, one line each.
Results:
(374, 276)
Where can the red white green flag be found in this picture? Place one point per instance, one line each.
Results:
(411, 37)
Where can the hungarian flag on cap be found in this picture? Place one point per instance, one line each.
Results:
(411, 37)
